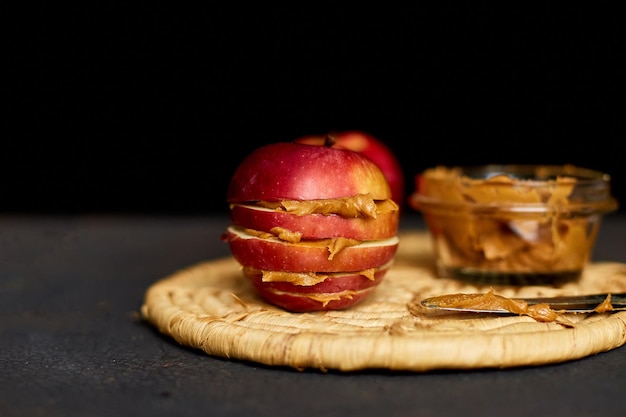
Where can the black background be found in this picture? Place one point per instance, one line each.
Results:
(148, 110)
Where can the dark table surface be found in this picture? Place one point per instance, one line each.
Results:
(72, 342)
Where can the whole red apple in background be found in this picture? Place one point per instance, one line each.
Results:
(376, 150)
(313, 226)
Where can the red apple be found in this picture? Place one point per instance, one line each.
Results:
(314, 226)
(373, 148)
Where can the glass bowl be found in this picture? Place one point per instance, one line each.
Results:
(512, 224)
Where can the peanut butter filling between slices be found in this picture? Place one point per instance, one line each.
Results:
(361, 205)
(334, 245)
(306, 279)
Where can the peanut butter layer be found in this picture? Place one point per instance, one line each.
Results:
(362, 205)
(334, 245)
(307, 279)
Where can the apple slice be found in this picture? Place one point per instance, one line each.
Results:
(272, 254)
(317, 226)
(312, 282)
(308, 302)
(296, 171)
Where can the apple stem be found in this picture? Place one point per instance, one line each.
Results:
(330, 140)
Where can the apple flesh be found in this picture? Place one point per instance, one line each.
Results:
(376, 150)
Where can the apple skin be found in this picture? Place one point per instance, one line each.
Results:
(276, 255)
(376, 150)
(297, 171)
(317, 226)
(304, 303)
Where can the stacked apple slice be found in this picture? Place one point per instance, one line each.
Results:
(314, 227)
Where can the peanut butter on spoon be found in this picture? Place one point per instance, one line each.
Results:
(491, 301)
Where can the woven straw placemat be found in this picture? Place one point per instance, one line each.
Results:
(210, 306)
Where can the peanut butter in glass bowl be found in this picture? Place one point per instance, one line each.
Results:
(512, 224)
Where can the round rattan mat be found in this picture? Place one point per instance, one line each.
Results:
(210, 306)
